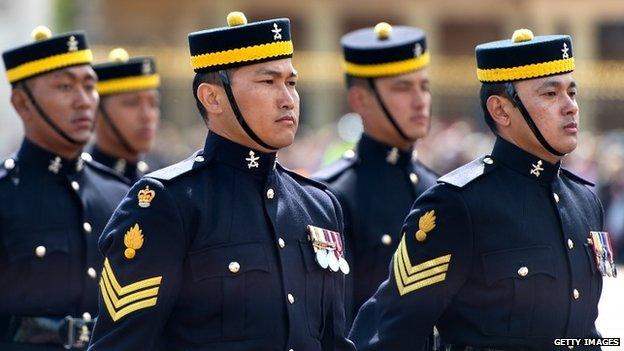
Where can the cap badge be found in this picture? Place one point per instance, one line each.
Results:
(146, 68)
(277, 32)
(72, 44)
(565, 51)
(417, 50)
(145, 197)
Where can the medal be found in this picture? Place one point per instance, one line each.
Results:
(322, 258)
(344, 266)
(333, 261)
(601, 245)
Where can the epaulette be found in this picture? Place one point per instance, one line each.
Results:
(196, 161)
(467, 173)
(576, 177)
(338, 167)
(302, 178)
(98, 167)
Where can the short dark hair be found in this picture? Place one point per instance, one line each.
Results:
(353, 81)
(210, 78)
(487, 90)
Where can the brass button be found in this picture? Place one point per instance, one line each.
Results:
(87, 227)
(413, 178)
(87, 316)
(40, 251)
(349, 154)
(142, 166)
(291, 298)
(85, 156)
(234, 267)
(386, 239)
(523, 271)
(199, 159)
(576, 294)
(556, 197)
(75, 185)
(281, 243)
(270, 194)
(91, 272)
(9, 164)
(488, 160)
(570, 244)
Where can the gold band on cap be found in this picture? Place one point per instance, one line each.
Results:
(125, 84)
(250, 53)
(50, 63)
(386, 69)
(526, 71)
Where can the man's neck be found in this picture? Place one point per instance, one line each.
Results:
(534, 149)
(67, 151)
(117, 151)
(400, 143)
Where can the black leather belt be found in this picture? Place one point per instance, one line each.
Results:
(70, 333)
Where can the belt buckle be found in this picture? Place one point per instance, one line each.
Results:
(78, 332)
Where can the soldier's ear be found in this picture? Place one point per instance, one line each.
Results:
(210, 97)
(357, 98)
(497, 107)
(20, 103)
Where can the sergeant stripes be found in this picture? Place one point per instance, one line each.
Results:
(138, 295)
(410, 278)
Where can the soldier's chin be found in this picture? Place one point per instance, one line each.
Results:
(567, 145)
(281, 141)
(82, 137)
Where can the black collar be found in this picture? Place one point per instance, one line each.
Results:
(371, 150)
(220, 149)
(120, 165)
(523, 162)
(33, 157)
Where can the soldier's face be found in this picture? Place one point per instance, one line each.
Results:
(69, 98)
(135, 114)
(408, 99)
(267, 97)
(551, 102)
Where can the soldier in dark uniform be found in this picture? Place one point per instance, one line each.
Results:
(506, 252)
(54, 203)
(387, 79)
(228, 250)
(128, 114)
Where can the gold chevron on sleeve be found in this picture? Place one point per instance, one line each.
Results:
(410, 278)
(123, 300)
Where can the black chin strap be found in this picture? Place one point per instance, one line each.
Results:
(46, 118)
(373, 86)
(225, 80)
(511, 90)
(126, 145)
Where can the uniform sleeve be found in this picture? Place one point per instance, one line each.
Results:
(144, 245)
(429, 266)
(335, 334)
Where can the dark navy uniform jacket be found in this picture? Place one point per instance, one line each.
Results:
(225, 262)
(376, 187)
(52, 211)
(132, 171)
(496, 255)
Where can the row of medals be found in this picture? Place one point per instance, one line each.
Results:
(326, 253)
